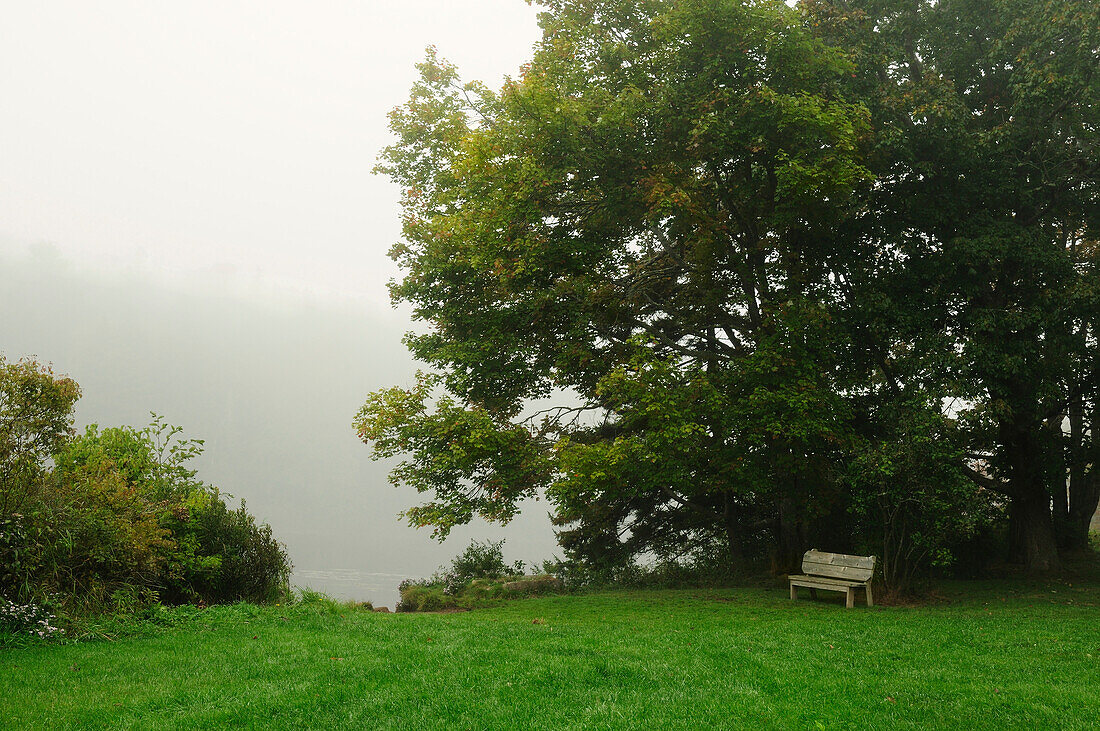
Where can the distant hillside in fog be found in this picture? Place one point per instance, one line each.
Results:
(270, 383)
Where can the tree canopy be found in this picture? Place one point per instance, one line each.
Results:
(758, 259)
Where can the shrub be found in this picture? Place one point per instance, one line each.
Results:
(483, 561)
(416, 597)
(121, 520)
(130, 601)
(36, 417)
(478, 561)
(184, 541)
(700, 570)
(911, 499)
(98, 536)
(20, 557)
(475, 577)
(480, 592)
(533, 585)
(252, 566)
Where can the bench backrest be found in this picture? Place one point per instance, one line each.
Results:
(838, 565)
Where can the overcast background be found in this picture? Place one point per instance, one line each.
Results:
(189, 225)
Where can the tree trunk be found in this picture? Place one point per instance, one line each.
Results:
(1060, 467)
(733, 541)
(791, 541)
(1084, 498)
(1032, 539)
(1032, 534)
(1016, 552)
(1084, 482)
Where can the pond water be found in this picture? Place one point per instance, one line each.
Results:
(380, 589)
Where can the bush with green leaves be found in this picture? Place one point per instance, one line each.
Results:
(422, 597)
(215, 553)
(249, 563)
(476, 576)
(119, 519)
(478, 561)
(20, 556)
(99, 535)
(911, 499)
(36, 418)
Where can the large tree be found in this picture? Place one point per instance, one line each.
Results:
(646, 216)
(987, 119)
(744, 247)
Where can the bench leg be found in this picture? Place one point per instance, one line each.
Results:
(851, 597)
(813, 593)
(794, 591)
(870, 600)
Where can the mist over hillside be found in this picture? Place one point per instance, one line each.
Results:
(271, 383)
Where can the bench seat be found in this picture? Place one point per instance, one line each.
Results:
(822, 582)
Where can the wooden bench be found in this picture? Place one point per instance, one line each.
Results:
(835, 572)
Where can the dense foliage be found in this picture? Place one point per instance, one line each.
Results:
(817, 276)
(985, 217)
(115, 517)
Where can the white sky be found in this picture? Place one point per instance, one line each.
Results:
(224, 143)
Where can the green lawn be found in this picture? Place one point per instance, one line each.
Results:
(1000, 658)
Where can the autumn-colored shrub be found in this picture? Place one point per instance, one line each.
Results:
(98, 534)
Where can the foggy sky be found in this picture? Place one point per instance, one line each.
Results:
(189, 225)
(225, 140)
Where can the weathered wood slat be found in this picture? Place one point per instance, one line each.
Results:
(840, 559)
(841, 572)
(827, 587)
(826, 581)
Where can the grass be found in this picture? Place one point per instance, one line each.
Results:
(988, 655)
